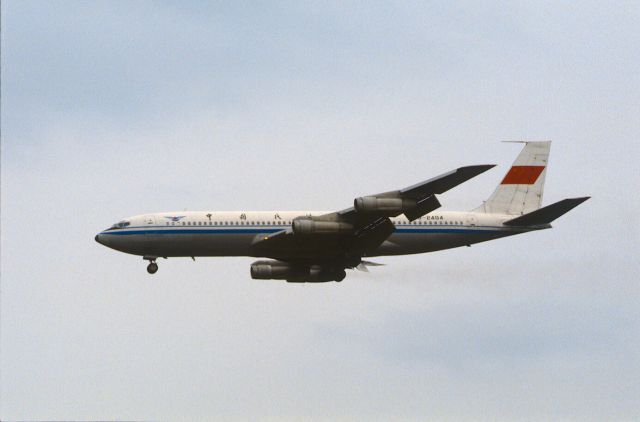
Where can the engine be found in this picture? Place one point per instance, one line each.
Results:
(275, 270)
(308, 226)
(391, 206)
(278, 270)
(411, 208)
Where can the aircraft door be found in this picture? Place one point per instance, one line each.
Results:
(151, 234)
(472, 221)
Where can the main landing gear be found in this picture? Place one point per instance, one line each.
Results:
(152, 268)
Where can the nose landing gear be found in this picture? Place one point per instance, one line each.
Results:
(152, 268)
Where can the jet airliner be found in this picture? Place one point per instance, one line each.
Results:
(308, 246)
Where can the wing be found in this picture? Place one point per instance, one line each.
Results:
(423, 194)
(344, 237)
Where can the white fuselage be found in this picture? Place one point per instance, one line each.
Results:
(212, 233)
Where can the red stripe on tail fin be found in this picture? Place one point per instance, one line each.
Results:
(522, 175)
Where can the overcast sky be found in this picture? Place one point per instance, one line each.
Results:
(111, 109)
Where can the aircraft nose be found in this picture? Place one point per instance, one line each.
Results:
(98, 239)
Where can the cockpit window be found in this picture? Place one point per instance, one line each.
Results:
(120, 225)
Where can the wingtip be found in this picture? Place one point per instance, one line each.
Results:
(479, 168)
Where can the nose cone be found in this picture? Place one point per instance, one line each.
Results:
(99, 239)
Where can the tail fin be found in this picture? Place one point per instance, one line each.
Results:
(520, 191)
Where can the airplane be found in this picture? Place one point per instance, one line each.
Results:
(316, 246)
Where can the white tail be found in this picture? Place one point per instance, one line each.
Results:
(520, 191)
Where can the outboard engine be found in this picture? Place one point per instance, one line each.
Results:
(279, 270)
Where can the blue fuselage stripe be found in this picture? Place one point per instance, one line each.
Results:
(234, 230)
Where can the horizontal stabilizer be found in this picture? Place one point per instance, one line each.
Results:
(546, 215)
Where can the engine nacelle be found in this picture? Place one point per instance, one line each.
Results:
(278, 270)
(308, 226)
(319, 274)
(391, 206)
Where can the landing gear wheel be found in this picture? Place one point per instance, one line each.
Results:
(152, 268)
(340, 276)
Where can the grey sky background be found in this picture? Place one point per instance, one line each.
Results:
(111, 109)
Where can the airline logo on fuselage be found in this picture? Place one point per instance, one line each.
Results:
(175, 218)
